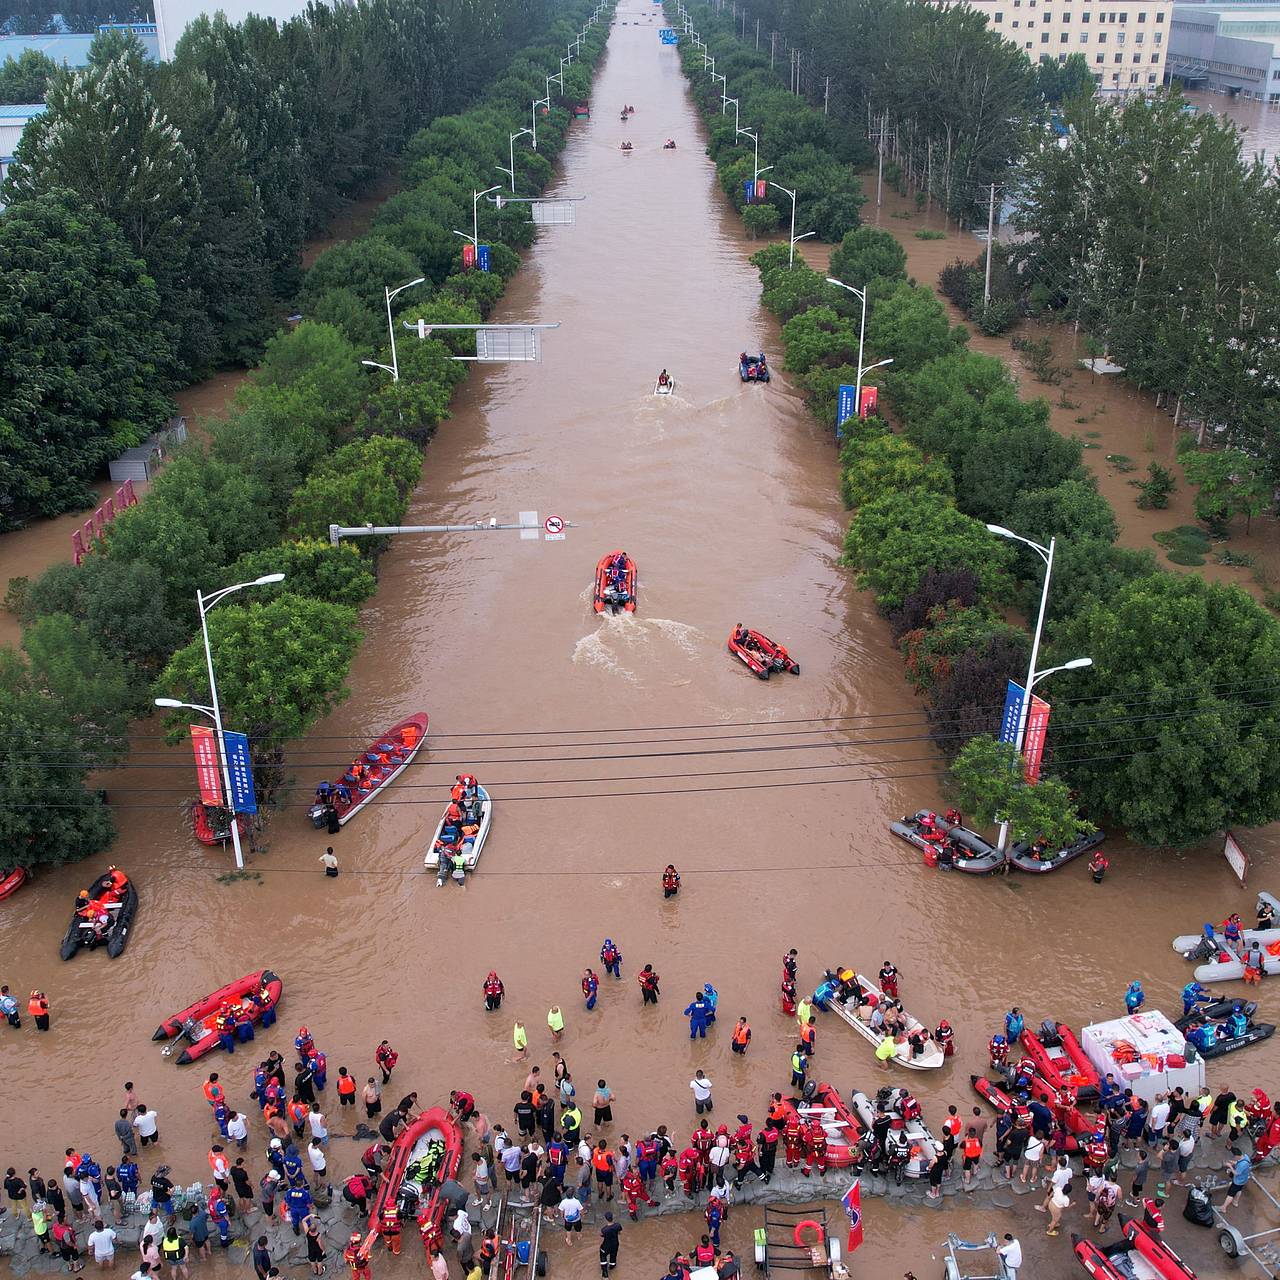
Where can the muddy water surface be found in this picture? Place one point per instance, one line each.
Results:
(611, 746)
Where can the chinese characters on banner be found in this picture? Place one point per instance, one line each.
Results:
(748, 190)
(870, 399)
(468, 256)
(844, 404)
(482, 257)
(1033, 742)
(762, 189)
(1012, 710)
(243, 799)
(207, 774)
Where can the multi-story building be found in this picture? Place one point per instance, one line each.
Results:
(1231, 48)
(1124, 41)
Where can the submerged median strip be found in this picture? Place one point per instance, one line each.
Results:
(312, 439)
(1174, 730)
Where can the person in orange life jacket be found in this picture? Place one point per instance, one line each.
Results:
(809, 1036)
(704, 1253)
(346, 1088)
(815, 1143)
(225, 1025)
(590, 988)
(972, 1152)
(1098, 865)
(493, 993)
(741, 1037)
(633, 1189)
(793, 1140)
(944, 1037)
(648, 985)
(356, 1258)
(670, 881)
(611, 958)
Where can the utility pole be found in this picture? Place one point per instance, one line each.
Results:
(757, 35)
(826, 95)
(991, 226)
(880, 163)
(773, 36)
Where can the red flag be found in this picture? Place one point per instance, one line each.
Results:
(468, 256)
(870, 400)
(207, 774)
(852, 1201)
(1033, 740)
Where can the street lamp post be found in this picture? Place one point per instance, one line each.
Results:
(511, 154)
(861, 295)
(756, 171)
(394, 367)
(794, 239)
(1033, 676)
(724, 91)
(205, 603)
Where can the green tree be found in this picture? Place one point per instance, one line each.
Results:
(80, 357)
(896, 539)
(1231, 483)
(931, 651)
(281, 665)
(761, 219)
(1168, 730)
(362, 483)
(47, 816)
(1000, 465)
(311, 568)
(868, 254)
(890, 464)
(366, 266)
(23, 79)
(818, 337)
(986, 779)
(911, 327)
(97, 690)
(415, 405)
(105, 137)
(1070, 509)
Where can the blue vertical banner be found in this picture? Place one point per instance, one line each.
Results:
(748, 190)
(482, 257)
(844, 404)
(243, 799)
(1013, 700)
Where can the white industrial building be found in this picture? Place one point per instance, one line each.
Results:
(13, 119)
(1229, 48)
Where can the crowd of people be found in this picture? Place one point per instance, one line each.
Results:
(560, 1166)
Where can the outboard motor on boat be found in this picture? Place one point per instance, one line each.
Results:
(1049, 1036)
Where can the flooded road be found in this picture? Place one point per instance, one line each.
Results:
(611, 746)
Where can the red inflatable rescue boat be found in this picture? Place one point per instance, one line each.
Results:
(11, 880)
(371, 772)
(1141, 1253)
(391, 1204)
(1059, 1060)
(246, 1000)
(995, 1094)
(843, 1128)
(760, 655)
(616, 591)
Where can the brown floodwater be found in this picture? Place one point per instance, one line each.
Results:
(1258, 121)
(611, 745)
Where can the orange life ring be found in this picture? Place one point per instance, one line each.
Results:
(800, 1226)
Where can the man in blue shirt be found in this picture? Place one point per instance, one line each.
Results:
(1241, 1172)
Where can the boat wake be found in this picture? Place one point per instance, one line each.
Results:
(624, 642)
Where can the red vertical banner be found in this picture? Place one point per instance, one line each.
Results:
(762, 189)
(852, 1201)
(208, 775)
(468, 256)
(1033, 742)
(870, 399)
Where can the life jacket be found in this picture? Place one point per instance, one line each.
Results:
(944, 1036)
(631, 1182)
(741, 1034)
(171, 1248)
(791, 1133)
(212, 1092)
(493, 986)
(798, 1063)
(589, 984)
(37, 1005)
(346, 1086)
(608, 954)
(602, 1161)
(648, 979)
(1152, 1216)
(297, 1112)
(972, 1148)
(409, 735)
(670, 879)
(816, 1138)
(557, 1155)
(700, 1140)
